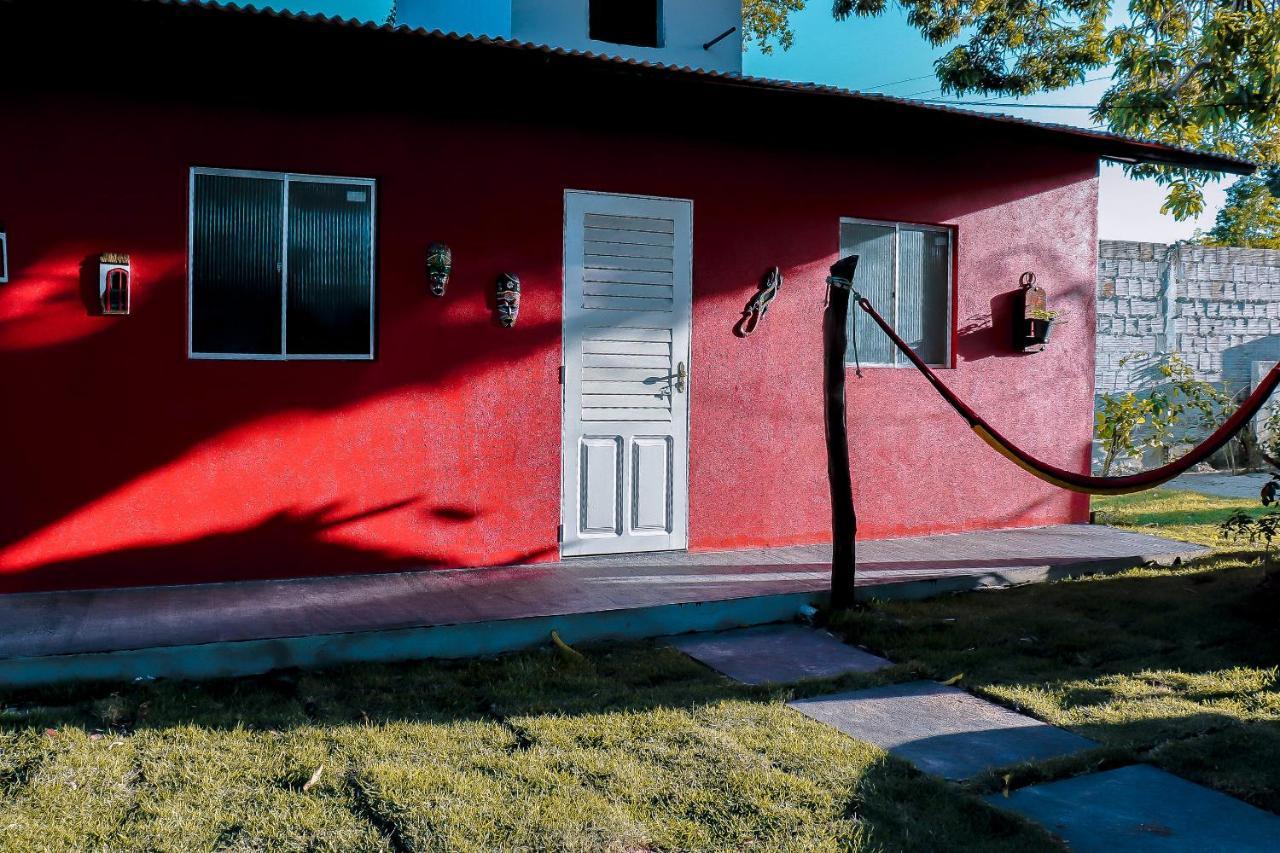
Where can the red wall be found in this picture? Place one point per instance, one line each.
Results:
(127, 463)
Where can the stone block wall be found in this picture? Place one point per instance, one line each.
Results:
(1219, 308)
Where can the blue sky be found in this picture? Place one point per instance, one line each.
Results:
(885, 55)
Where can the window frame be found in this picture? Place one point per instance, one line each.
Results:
(897, 227)
(285, 178)
(660, 31)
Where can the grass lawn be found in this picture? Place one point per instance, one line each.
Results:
(635, 747)
(632, 748)
(1172, 666)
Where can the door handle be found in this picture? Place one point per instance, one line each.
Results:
(682, 376)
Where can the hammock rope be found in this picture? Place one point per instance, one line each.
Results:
(1070, 480)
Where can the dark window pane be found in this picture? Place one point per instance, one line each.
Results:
(873, 278)
(626, 21)
(329, 268)
(236, 251)
(922, 292)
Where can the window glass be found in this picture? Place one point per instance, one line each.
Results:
(329, 232)
(272, 278)
(904, 270)
(923, 258)
(635, 22)
(873, 278)
(236, 239)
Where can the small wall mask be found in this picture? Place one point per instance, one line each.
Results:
(508, 299)
(439, 267)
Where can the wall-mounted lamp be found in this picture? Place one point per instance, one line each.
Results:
(508, 299)
(439, 267)
(4, 254)
(1032, 318)
(114, 281)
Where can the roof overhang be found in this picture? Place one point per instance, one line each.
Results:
(499, 56)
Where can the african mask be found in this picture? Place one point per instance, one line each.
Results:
(439, 266)
(508, 298)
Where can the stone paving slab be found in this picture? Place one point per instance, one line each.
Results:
(940, 729)
(777, 653)
(1143, 809)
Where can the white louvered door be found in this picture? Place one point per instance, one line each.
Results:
(628, 294)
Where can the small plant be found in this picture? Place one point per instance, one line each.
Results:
(1132, 423)
(1043, 314)
(1263, 529)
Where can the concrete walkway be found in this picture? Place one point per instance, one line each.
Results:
(100, 621)
(1221, 485)
(950, 733)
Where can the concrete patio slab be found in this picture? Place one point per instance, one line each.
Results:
(240, 628)
(771, 654)
(942, 730)
(1144, 809)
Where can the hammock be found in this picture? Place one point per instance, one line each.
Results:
(1061, 477)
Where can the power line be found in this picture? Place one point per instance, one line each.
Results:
(897, 82)
(938, 89)
(1069, 106)
(1001, 102)
(997, 104)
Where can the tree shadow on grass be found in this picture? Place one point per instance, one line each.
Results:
(625, 734)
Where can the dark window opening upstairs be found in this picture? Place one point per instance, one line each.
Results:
(635, 22)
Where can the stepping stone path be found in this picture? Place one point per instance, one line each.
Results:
(1143, 809)
(941, 730)
(947, 732)
(777, 653)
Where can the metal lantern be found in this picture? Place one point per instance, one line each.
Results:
(1034, 319)
(508, 299)
(439, 267)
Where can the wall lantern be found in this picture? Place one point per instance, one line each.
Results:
(4, 254)
(114, 281)
(508, 299)
(1032, 318)
(439, 267)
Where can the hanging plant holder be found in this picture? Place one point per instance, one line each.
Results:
(1032, 319)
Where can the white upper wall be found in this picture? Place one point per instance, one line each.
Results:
(686, 26)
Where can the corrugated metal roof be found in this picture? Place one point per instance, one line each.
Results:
(1109, 145)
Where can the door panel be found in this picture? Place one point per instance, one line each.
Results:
(628, 291)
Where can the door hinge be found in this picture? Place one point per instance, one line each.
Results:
(559, 532)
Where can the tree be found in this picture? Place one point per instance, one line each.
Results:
(767, 21)
(1198, 73)
(1251, 216)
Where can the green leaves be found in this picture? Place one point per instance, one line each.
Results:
(766, 22)
(1251, 216)
(1130, 424)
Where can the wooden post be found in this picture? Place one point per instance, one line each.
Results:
(844, 519)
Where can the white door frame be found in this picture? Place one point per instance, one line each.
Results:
(679, 538)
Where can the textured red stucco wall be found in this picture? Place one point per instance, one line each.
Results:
(126, 463)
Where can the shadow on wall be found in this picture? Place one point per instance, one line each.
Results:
(1237, 361)
(258, 458)
(290, 543)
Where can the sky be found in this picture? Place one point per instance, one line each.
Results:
(886, 55)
